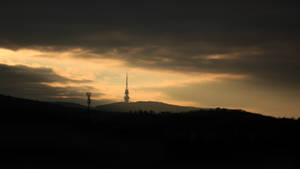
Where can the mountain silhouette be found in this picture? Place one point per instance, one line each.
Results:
(37, 134)
(144, 106)
(69, 104)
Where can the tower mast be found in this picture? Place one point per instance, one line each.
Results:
(126, 97)
(126, 81)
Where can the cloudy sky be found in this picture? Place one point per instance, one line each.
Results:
(234, 54)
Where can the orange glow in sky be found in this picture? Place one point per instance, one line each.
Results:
(107, 76)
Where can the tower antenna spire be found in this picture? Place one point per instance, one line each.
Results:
(126, 80)
(126, 97)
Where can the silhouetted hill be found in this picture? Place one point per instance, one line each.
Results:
(144, 106)
(38, 134)
(69, 104)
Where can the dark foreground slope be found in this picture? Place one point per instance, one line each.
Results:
(44, 135)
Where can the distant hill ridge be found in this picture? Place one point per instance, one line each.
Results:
(70, 104)
(52, 108)
(144, 106)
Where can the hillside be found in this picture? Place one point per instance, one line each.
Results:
(69, 104)
(143, 106)
(47, 135)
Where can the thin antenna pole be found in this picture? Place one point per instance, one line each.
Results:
(126, 80)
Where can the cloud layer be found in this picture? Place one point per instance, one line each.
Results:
(35, 83)
(255, 38)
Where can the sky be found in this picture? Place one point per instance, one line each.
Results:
(232, 54)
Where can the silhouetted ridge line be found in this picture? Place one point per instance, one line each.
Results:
(144, 106)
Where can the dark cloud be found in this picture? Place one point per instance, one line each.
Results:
(263, 36)
(26, 82)
(24, 74)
